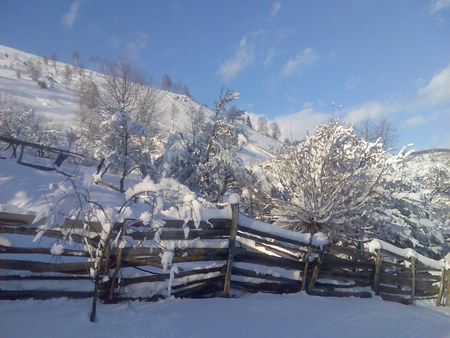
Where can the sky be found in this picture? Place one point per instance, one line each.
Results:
(298, 63)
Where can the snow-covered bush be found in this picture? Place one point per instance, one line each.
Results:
(329, 182)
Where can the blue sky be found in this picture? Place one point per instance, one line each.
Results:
(290, 60)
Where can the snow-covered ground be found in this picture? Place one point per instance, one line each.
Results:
(59, 101)
(258, 315)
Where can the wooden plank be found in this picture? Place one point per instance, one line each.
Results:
(43, 294)
(267, 276)
(394, 298)
(331, 262)
(44, 277)
(278, 288)
(49, 233)
(305, 269)
(272, 236)
(262, 259)
(413, 279)
(166, 276)
(73, 268)
(271, 246)
(315, 272)
(376, 277)
(346, 275)
(179, 234)
(355, 253)
(331, 293)
(42, 251)
(231, 247)
(441, 288)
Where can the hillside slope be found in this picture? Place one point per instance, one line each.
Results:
(58, 99)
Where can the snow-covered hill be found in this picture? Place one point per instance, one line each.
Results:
(49, 92)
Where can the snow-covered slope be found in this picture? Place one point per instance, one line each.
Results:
(58, 101)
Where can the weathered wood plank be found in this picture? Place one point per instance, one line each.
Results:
(261, 259)
(272, 236)
(231, 248)
(42, 251)
(331, 293)
(43, 294)
(73, 268)
(166, 276)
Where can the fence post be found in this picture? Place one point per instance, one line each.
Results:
(376, 277)
(315, 272)
(231, 246)
(305, 270)
(413, 279)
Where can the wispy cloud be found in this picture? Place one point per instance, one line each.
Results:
(414, 121)
(438, 5)
(135, 46)
(241, 60)
(302, 60)
(275, 8)
(69, 18)
(351, 83)
(437, 91)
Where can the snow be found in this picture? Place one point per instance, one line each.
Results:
(319, 239)
(377, 244)
(234, 199)
(258, 315)
(247, 222)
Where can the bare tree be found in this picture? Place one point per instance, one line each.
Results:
(88, 104)
(76, 57)
(382, 130)
(166, 83)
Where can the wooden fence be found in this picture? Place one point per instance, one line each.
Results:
(222, 257)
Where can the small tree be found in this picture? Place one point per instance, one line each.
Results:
(166, 83)
(276, 132)
(76, 57)
(262, 126)
(249, 122)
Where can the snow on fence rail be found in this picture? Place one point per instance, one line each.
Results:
(222, 257)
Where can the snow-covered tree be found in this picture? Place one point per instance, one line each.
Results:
(123, 126)
(329, 181)
(21, 122)
(205, 157)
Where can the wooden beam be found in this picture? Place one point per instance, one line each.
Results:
(376, 276)
(231, 246)
(413, 279)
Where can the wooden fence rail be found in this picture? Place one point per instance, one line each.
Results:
(221, 257)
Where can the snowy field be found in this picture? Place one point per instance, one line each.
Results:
(258, 315)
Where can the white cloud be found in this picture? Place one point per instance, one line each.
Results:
(275, 8)
(304, 59)
(135, 46)
(437, 91)
(415, 121)
(297, 125)
(269, 57)
(69, 18)
(438, 5)
(372, 110)
(241, 59)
